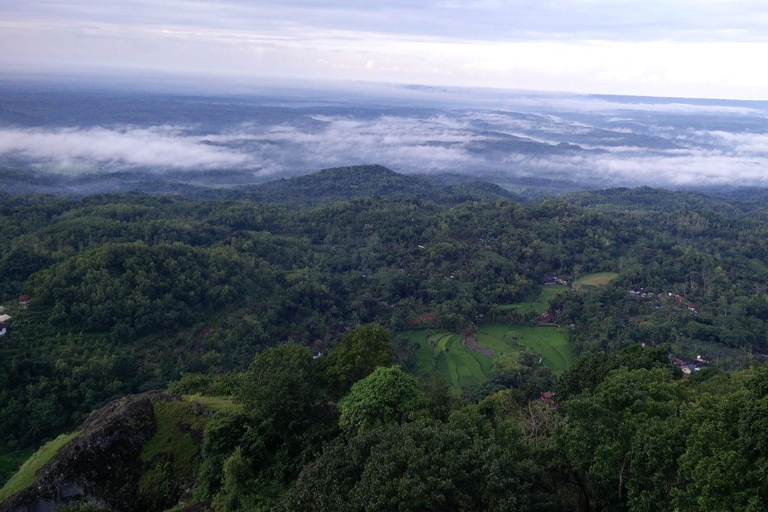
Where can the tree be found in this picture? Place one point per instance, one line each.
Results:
(360, 351)
(613, 436)
(278, 385)
(385, 396)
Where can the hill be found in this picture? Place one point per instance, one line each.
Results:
(364, 181)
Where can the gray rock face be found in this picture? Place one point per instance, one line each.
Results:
(101, 465)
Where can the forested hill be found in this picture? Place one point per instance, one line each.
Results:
(328, 185)
(484, 305)
(364, 181)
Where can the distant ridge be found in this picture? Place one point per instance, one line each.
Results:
(327, 185)
(362, 181)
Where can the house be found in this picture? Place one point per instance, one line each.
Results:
(24, 301)
(550, 281)
(547, 318)
(546, 396)
(3, 329)
(678, 361)
(2, 310)
(4, 318)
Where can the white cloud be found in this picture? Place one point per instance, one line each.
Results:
(157, 146)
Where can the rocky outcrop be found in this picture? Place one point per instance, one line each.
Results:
(101, 465)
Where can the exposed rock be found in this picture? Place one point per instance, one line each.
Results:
(101, 465)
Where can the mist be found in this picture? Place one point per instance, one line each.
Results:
(500, 136)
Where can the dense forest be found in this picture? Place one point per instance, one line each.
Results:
(261, 301)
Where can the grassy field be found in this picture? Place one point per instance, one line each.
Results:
(538, 301)
(549, 343)
(26, 474)
(216, 403)
(446, 354)
(599, 279)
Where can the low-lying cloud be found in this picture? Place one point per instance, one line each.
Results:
(661, 145)
(154, 147)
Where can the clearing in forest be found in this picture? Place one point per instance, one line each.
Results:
(598, 279)
(537, 301)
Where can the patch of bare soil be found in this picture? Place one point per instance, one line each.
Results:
(471, 343)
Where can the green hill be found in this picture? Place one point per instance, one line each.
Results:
(363, 181)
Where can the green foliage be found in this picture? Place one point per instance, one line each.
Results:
(359, 352)
(279, 385)
(615, 437)
(222, 437)
(133, 289)
(590, 371)
(385, 396)
(213, 385)
(236, 477)
(462, 465)
(172, 454)
(10, 461)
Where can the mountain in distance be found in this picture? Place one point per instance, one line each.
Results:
(327, 185)
(361, 181)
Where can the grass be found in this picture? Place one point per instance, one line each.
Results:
(445, 353)
(215, 403)
(598, 279)
(549, 343)
(10, 462)
(537, 301)
(172, 438)
(28, 471)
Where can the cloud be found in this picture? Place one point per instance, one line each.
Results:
(153, 147)
(637, 148)
(652, 47)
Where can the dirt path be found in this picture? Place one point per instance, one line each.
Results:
(471, 343)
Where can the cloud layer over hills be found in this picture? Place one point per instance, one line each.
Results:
(598, 141)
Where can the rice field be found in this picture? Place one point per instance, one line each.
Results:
(446, 353)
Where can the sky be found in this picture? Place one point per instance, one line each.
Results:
(677, 48)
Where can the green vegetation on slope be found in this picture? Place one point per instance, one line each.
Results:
(538, 302)
(26, 474)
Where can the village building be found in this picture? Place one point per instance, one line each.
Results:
(4, 318)
(24, 301)
(551, 281)
(2, 310)
(3, 329)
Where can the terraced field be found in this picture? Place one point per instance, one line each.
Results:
(447, 354)
(549, 343)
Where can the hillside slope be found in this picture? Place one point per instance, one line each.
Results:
(138, 453)
(363, 181)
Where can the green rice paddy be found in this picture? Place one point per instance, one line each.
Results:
(446, 354)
